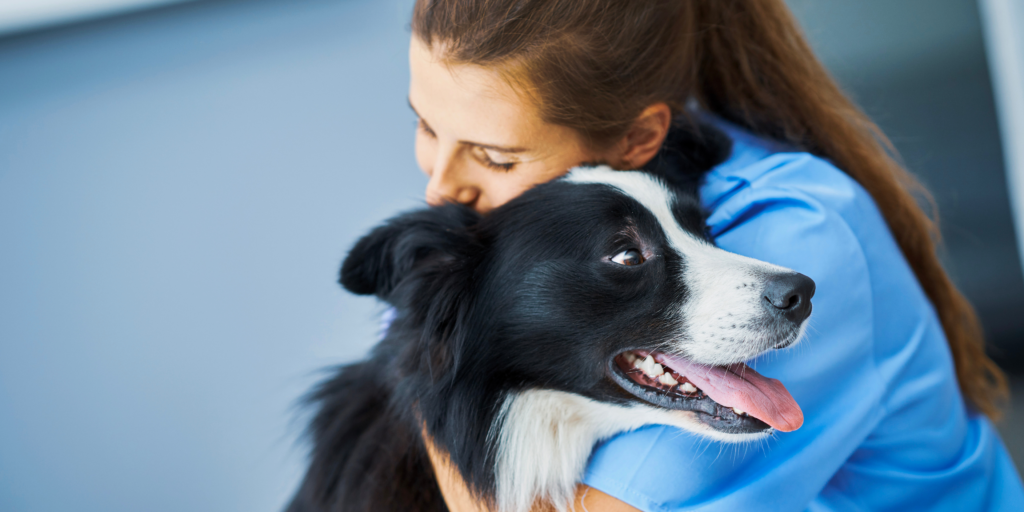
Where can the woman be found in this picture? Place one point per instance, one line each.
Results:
(893, 379)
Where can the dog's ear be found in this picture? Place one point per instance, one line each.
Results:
(381, 259)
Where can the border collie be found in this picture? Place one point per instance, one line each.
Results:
(588, 306)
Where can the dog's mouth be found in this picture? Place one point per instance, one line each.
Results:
(732, 399)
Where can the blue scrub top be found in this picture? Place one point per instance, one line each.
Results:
(885, 426)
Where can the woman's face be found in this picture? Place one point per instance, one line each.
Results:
(479, 141)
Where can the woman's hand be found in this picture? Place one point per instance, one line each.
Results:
(459, 499)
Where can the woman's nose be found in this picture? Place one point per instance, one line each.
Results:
(449, 183)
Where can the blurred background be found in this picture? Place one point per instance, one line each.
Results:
(180, 180)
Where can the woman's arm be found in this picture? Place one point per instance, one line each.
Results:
(459, 499)
(885, 427)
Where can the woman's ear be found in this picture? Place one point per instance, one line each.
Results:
(644, 138)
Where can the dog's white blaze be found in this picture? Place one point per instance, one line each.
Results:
(726, 301)
(545, 438)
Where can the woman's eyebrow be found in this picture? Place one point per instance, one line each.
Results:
(492, 147)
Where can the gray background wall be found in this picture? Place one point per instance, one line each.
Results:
(178, 186)
(177, 189)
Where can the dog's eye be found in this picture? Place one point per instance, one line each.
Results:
(629, 258)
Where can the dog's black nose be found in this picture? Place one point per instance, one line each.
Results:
(790, 294)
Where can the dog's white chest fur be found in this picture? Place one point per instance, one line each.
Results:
(545, 438)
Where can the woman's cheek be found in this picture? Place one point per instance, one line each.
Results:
(502, 189)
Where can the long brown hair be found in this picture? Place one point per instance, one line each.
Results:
(594, 65)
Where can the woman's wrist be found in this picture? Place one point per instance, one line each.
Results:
(453, 488)
(459, 498)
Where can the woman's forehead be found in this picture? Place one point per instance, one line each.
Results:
(470, 102)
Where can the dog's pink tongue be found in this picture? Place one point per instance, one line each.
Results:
(739, 386)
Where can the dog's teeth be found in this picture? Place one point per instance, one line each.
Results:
(651, 369)
(688, 388)
(737, 411)
(638, 363)
(630, 357)
(667, 380)
(647, 364)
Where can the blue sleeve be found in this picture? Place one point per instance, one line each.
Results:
(885, 426)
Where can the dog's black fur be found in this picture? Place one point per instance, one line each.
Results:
(486, 305)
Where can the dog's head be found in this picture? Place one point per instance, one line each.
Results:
(602, 283)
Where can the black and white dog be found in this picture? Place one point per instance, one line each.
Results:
(588, 306)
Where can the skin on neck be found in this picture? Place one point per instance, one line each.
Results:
(482, 143)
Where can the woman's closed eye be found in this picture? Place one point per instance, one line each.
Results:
(493, 159)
